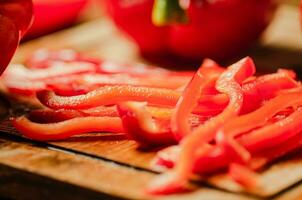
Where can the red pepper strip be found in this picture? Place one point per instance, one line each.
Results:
(22, 87)
(228, 83)
(44, 59)
(41, 58)
(57, 69)
(109, 95)
(186, 103)
(275, 133)
(141, 127)
(159, 81)
(281, 81)
(68, 128)
(243, 175)
(259, 118)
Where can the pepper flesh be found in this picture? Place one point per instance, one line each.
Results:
(201, 81)
(108, 95)
(68, 128)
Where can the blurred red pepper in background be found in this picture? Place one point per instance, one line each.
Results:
(15, 18)
(52, 15)
(217, 29)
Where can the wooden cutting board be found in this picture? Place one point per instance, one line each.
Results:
(98, 166)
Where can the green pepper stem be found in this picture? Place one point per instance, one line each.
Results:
(166, 12)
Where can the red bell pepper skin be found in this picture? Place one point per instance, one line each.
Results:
(215, 29)
(204, 79)
(109, 95)
(51, 15)
(65, 129)
(15, 18)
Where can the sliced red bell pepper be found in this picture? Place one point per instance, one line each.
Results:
(228, 83)
(44, 58)
(260, 117)
(275, 133)
(204, 79)
(141, 127)
(70, 73)
(65, 129)
(150, 126)
(55, 70)
(217, 159)
(109, 95)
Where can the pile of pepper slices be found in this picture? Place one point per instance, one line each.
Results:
(212, 120)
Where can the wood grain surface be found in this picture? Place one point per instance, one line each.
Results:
(98, 166)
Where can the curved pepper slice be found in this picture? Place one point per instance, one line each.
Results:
(56, 70)
(228, 83)
(204, 78)
(108, 95)
(140, 125)
(68, 128)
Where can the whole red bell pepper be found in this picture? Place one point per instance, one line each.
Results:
(15, 18)
(214, 29)
(51, 15)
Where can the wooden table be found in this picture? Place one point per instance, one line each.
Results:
(106, 166)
